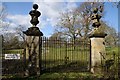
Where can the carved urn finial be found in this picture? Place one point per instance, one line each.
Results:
(96, 17)
(34, 15)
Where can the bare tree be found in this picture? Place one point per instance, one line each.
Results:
(112, 37)
(85, 11)
(11, 41)
(78, 21)
(3, 12)
(19, 32)
(3, 15)
(68, 24)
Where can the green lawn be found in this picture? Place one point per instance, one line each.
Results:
(13, 51)
(58, 56)
(62, 56)
(64, 76)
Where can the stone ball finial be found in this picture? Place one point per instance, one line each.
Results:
(35, 6)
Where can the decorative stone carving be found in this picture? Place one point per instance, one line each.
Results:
(97, 42)
(33, 45)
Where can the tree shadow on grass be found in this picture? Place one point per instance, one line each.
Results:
(12, 67)
(68, 67)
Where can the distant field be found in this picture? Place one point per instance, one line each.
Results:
(13, 51)
(66, 53)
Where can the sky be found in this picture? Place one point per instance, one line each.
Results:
(18, 14)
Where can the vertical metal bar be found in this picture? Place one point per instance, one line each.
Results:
(46, 61)
(81, 51)
(1, 54)
(81, 55)
(59, 51)
(56, 51)
(66, 53)
(43, 56)
(44, 52)
(73, 50)
(53, 49)
(40, 53)
(61, 48)
(90, 56)
(78, 52)
(47, 58)
(85, 54)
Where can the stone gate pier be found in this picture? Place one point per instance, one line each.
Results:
(97, 53)
(33, 45)
(97, 57)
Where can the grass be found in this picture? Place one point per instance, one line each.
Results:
(56, 57)
(64, 76)
(13, 51)
(61, 56)
(67, 75)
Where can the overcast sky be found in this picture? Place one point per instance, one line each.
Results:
(18, 14)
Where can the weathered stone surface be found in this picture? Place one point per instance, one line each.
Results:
(33, 55)
(96, 32)
(33, 31)
(97, 52)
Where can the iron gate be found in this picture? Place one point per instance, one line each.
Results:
(65, 55)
